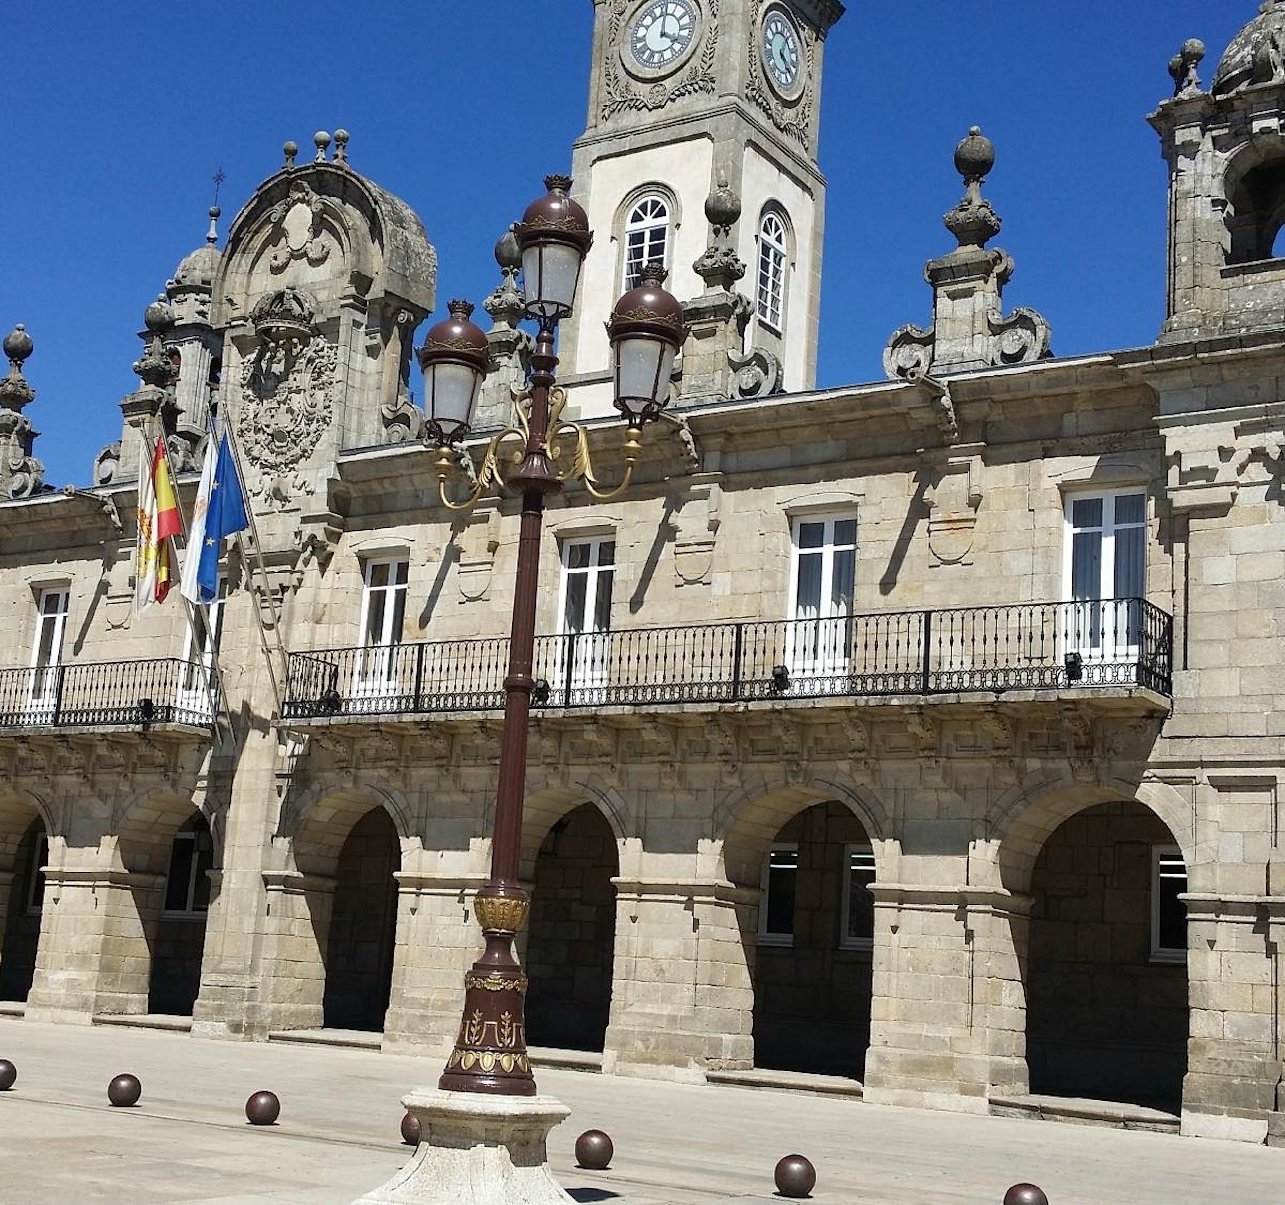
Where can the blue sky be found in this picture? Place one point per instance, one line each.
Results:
(117, 116)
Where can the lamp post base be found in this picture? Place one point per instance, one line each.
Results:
(478, 1149)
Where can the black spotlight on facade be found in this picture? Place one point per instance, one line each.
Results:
(331, 702)
(780, 678)
(540, 692)
(1074, 667)
(146, 713)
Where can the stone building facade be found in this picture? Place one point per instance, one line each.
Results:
(925, 732)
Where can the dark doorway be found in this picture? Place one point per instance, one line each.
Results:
(363, 926)
(572, 934)
(1107, 975)
(812, 976)
(21, 935)
(179, 944)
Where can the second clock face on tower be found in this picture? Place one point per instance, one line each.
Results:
(661, 34)
(782, 52)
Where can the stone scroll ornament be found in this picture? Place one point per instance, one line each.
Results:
(287, 387)
(623, 95)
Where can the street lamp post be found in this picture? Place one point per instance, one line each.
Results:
(646, 331)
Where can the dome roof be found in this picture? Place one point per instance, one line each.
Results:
(198, 269)
(1237, 68)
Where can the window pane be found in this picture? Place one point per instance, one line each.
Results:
(375, 618)
(1172, 882)
(807, 599)
(578, 556)
(204, 864)
(1086, 512)
(602, 604)
(841, 583)
(811, 535)
(607, 552)
(573, 616)
(399, 617)
(1086, 564)
(403, 572)
(377, 574)
(176, 888)
(1130, 508)
(845, 531)
(861, 903)
(1130, 562)
(781, 877)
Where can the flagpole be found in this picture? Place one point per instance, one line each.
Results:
(265, 585)
(212, 674)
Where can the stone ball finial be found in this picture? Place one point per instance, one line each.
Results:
(18, 345)
(290, 149)
(341, 146)
(1193, 49)
(723, 206)
(507, 252)
(975, 156)
(159, 317)
(321, 140)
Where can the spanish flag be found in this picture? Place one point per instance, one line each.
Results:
(158, 520)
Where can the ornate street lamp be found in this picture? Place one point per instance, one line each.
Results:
(646, 331)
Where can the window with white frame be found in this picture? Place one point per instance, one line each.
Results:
(52, 604)
(778, 885)
(1105, 571)
(646, 237)
(1168, 912)
(383, 614)
(823, 570)
(187, 885)
(858, 901)
(588, 575)
(36, 872)
(771, 273)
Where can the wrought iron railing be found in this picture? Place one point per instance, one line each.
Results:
(1029, 646)
(118, 694)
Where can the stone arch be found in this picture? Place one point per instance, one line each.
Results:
(1092, 1009)
(1023, 819)
(543, 809)
(144, 825)
(319, 824)
(18, 807)
(25, 821)
(1254, 188)
(747, 820)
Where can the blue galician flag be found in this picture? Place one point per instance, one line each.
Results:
(219, 512)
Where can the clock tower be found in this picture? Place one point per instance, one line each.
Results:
(687, 99)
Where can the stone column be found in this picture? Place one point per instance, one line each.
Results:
(437, 942)
(94, 955)
(929, 1044)
(292, 963)
(682, 993)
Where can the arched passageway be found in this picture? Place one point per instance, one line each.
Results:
(812, 971)
(179, 942)
(20, 911)
(363, 926)
(571, 933)
(1107, 1012)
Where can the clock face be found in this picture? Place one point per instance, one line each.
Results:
(782, 51)
(662, 32)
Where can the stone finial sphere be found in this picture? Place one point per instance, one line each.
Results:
(975, 156)
(321, 140)
(290, 149)
(123, 1092)
(723, 206)
(263, 1109)
(594, 1150)
(341, 137)
(410, 1129)
(158, 317)
(1025, 1194)
(17, 344)
(8, 1075)
(1194, 50)
(795, 1176)
(507, 252)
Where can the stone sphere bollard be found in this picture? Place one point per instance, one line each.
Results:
(1025, 1194)
(123, 1092)
(410, 1129)
(8, 1075)
(263, 1109)
(795, 1176)
(594, 1150)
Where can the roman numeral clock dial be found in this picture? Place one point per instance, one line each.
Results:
(662, 33)
(782, 49)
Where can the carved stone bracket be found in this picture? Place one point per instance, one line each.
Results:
(696, 519)
(758, 373)
(475, 540)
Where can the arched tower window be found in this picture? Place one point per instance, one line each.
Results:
(646, 237)
(1256, 211)
(771, 270)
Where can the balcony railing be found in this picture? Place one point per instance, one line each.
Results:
(116, 694)
(1031, 646)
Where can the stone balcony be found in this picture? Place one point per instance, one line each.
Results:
(1121, 648)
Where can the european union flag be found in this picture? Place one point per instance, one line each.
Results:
(224, 516)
